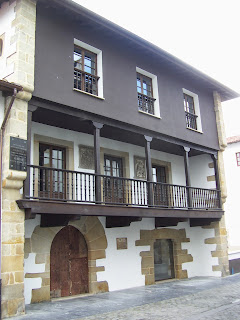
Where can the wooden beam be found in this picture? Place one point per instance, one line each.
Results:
(58, 207)
(57, 220)
(167, 222)
(115, 222)
(202, 222)
(149, 168)
(97, 127)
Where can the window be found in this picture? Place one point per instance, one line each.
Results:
(191, 117)
(238, 158)
(147, 91)
(88, 76)
(145, 94)
(52, 181)
(192, 111)
(113, 188)
(85, 71)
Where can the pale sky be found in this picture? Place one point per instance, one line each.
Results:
(203, 33)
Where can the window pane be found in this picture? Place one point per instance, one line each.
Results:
(77, 56)
(89, 63)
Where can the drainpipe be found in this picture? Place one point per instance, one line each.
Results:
(1, 154)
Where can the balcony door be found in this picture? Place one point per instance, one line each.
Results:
(52, 178)
(160, 190)
(113, 187)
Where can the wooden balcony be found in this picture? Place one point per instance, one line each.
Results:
(56, 191)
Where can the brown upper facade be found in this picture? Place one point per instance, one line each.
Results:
(90, 64)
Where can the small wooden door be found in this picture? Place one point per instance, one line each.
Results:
(68, 264)
(52, 181)
(160, 190)
(113, 188)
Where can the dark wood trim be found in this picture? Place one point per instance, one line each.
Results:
(149, 168)
(53, 207)
(167, 222)
(186, 164)
(187, 175)
(200, 222)
(57, 220)
(97, 127)
(117, 222)
(29, 142)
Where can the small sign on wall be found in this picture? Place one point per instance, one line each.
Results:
(18, 154)
(121, 243)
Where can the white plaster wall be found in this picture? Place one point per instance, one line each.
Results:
(7, 15)
(232, 205)
(123, 267)
(199, 171)
(177, 162)
(29, 264)
(202, 259)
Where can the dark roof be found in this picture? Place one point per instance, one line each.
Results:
(233, 139)
(184, 68)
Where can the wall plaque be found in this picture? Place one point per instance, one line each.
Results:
(121, 243)
(18, 154)
(86, 157)
(139, 167)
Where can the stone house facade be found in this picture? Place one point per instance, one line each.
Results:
(122, 181)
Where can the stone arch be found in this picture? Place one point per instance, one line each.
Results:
(40, 245)
(148, 237)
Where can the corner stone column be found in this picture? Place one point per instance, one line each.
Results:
(12, 217)
(220, 238)
(22, 62)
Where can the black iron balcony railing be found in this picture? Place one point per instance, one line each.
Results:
(191, 120)
(145, 103)
(75, 186)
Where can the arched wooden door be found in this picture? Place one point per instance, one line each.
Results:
(68, 263)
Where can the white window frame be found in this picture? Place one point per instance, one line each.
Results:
(98, 52)
(197, 109)
(155, 92)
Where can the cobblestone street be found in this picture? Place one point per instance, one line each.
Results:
(191, 299)
(216, 304)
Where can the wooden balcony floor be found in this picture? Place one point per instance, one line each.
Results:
(33, 207)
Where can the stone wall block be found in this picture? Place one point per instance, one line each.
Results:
(96, 287)
(98, 243)
(42, 294)
(10, 263)
(96, 254)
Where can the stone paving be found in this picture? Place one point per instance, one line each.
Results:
(191, 299)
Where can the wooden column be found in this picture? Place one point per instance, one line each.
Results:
(149, 169)
(187, 174)
(97, 127)
(31, 109)
(218, 187)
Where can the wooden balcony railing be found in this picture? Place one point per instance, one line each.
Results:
(145, 103)
(191, 120)
(74, 186)
(85, 81)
